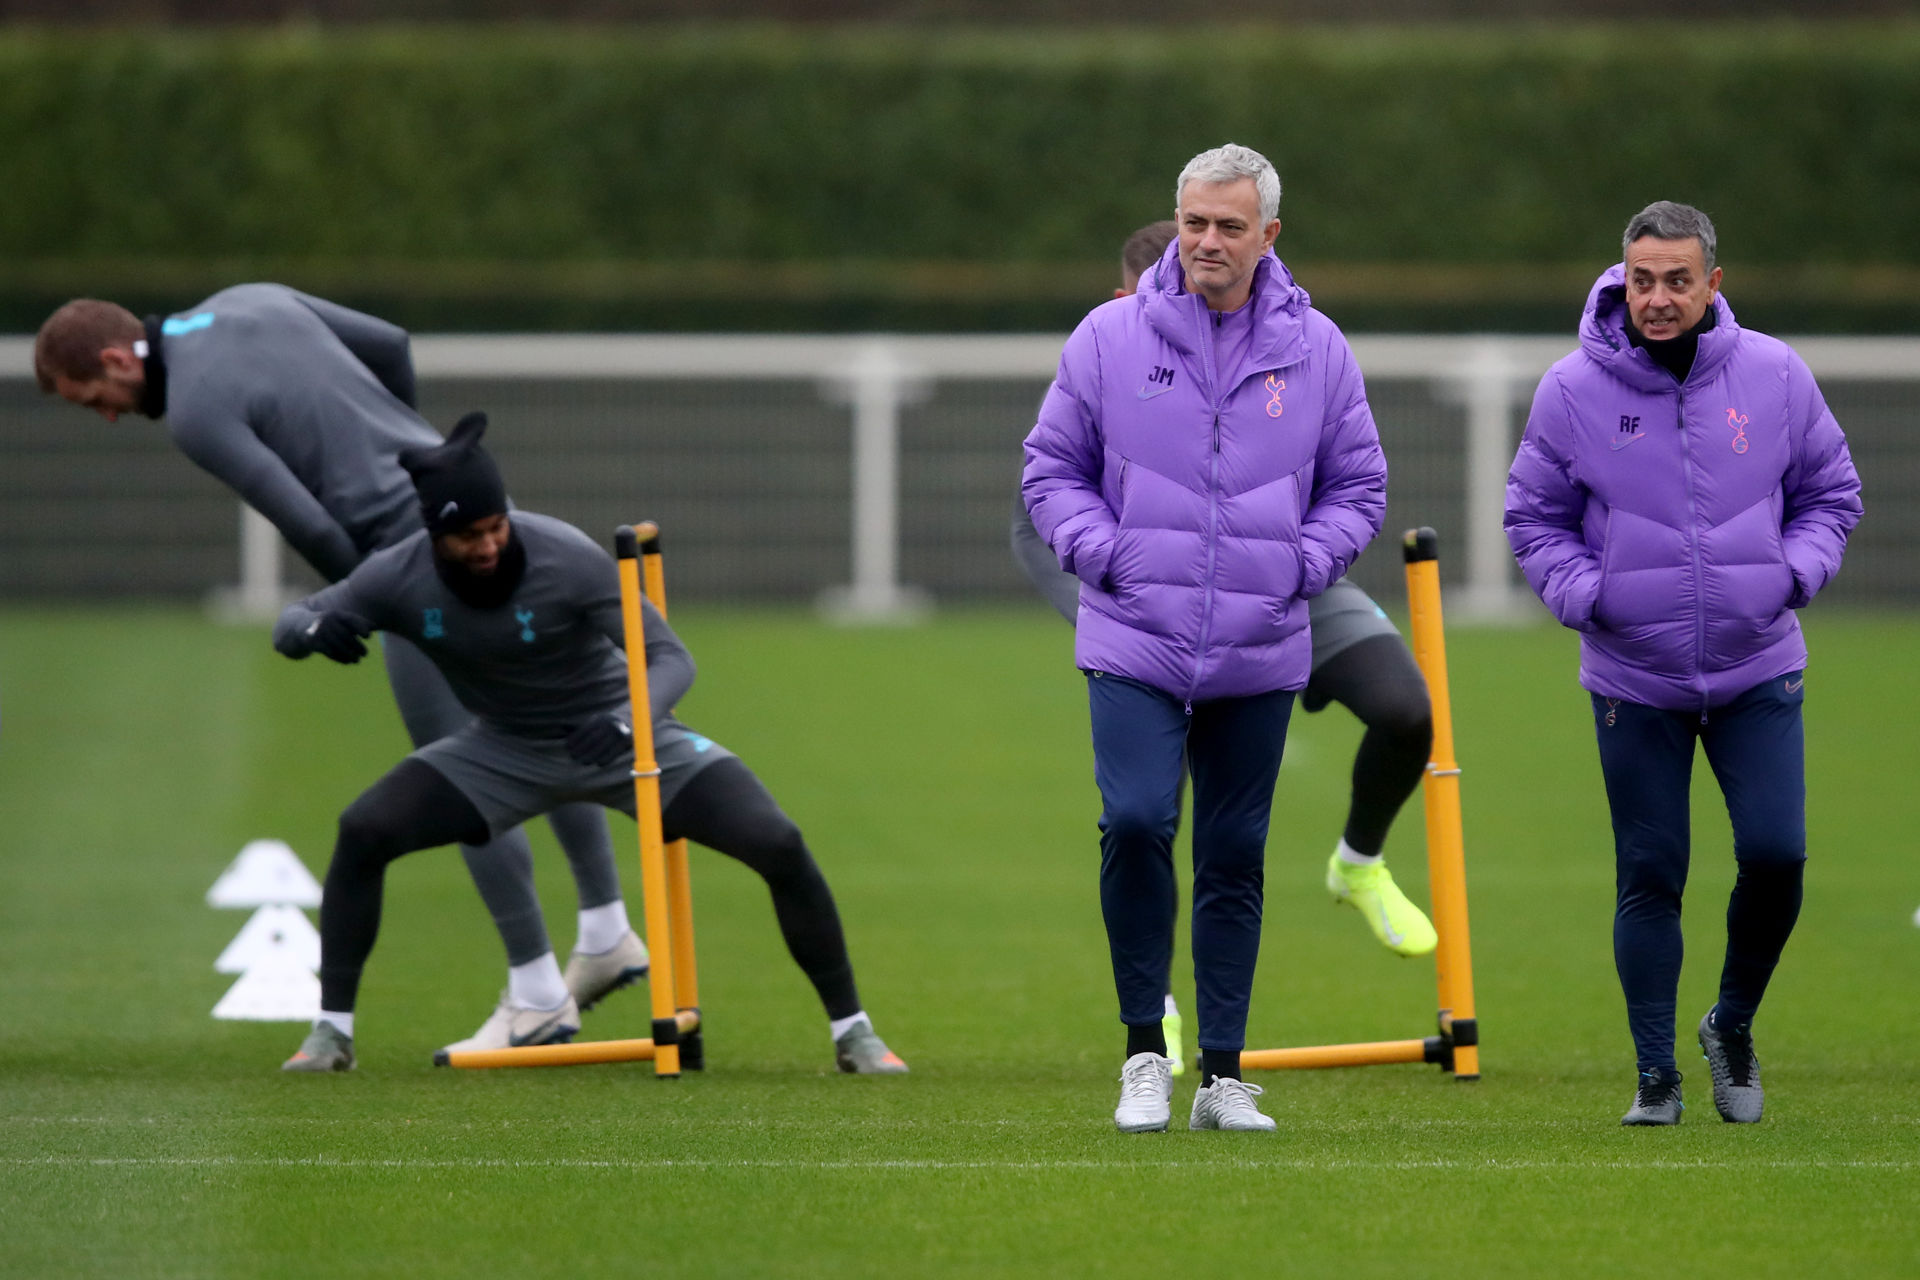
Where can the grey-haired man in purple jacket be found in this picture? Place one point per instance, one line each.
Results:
(1205, 463)
(1680, 490)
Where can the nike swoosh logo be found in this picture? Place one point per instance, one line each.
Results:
(1394, 936)
(537, 1035)
(1145, 394)
(1618, 444)
(1793, 686)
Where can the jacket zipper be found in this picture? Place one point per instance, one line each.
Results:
(1213, 513)
(1693, 548)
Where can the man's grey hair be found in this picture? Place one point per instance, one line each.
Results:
(1665, 220)
(1230, 164)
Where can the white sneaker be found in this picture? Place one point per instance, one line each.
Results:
(1228, 1104)
(591, 978)
(511, 1026)
(1146, 1094)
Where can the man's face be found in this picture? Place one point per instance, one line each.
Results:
(117, 389)
(1221, 239)
(1668, 286)
(477, 547)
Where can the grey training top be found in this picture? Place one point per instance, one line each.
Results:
(537, 666)
(302, 408)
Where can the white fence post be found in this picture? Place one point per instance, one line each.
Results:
(1488, 383)
(877, 384)
(259, 596)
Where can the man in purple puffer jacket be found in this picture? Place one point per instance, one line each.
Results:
(1205, 463)
(1680, 490)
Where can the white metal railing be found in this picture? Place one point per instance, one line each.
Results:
(1491, 376)
(878, 375)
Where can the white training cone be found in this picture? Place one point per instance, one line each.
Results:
(278, 989)
(272, 931)
(267, 873)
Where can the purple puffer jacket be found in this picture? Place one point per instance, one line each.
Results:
(1200, 515)
(1678, 525)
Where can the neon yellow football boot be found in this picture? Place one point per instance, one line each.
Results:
(1401, 927)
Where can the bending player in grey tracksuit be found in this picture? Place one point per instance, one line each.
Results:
(522, 613)
(302, 407)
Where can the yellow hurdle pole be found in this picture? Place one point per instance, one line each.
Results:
(1340, 1055)
(554, 1055)
(646, 805)
(686, 972)
(1446, 857)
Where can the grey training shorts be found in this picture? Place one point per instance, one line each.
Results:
(510, 778)
(1342, 616)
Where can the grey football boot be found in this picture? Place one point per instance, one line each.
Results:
(1735, 1071)
(1657, 1100)
(326, 1048)
(862, 1053)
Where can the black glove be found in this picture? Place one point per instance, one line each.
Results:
(337, 634)
(605, 739)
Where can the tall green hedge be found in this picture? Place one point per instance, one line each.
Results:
(688, 159)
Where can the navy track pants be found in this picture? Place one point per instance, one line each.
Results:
(1232, 747)
(1756, 748)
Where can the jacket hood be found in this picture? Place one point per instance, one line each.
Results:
(1604, 340)
(1280, 309)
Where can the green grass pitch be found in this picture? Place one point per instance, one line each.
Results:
(942, 775)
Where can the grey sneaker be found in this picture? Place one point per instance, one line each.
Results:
(1656, 1100)
(1228, 1104)
(511, 1026)
(591, 978)
(1146, 1094)
(326, 1048)
(861, 1053)
(1735, 1071)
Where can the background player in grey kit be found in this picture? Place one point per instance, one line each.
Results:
(302, 407)
(522, 613)
(1359, 661)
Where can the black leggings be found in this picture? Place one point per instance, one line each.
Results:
(413, 807)
(729, 810)
(1380, 683)
(724, 807)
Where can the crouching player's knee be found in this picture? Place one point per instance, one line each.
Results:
(780, 852)
(1408, 717)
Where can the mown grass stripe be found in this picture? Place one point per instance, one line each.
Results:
(1494, 1165)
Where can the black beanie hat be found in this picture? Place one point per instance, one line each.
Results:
(457, 481)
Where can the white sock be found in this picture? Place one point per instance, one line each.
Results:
(840, 1026)
(342, 1022)
(602, 927)
(1353, 859)
(537, 984)
(1173, 1010)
